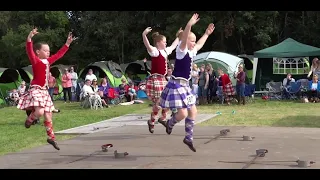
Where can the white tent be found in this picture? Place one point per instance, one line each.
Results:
(228, 62)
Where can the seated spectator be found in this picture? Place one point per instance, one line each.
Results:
(313, 89)
(286, 85)
(104, 88)
(122, 87)
(88, 90)
(95, 86)
(14, 96)
(131, 92)
(22, 88)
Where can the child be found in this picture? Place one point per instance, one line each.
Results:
(157, 81)
(132, 92)
(177, 93)
(37, 98)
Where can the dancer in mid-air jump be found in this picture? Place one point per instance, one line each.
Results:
(37, 98)
(178, 93)
(157, 81)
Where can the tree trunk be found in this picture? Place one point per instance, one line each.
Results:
(242, 51)
(302, 18)
(122, 49)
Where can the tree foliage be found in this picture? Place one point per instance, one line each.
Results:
(116, 35)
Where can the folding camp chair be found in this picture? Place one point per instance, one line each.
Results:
(275, 90)
(249, 92)
(304, 87)
(294, 90)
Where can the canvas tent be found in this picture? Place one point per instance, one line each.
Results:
(227, 62)
(58, 70)
(135, 68)
(286, 49)
(9, 79)
(26, 73)
(103, 69)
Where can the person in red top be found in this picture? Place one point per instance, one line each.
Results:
(156, 82)
(225, 82)
(37, 99)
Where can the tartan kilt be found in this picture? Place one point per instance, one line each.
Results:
(175, 95)
(155, 85)
(228, 90)
(36, 97)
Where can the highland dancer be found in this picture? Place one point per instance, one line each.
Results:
(37, 98)
(157, 81)
(178, 93)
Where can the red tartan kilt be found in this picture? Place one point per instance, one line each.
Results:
(155, 85)
(229, 90)
(36, 97)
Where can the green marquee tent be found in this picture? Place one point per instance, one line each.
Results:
(286, 49)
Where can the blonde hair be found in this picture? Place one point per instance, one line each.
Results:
(179, 34)
(157, 37)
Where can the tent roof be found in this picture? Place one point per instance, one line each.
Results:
(229, 59)
(2, 69)
(28, 68)
(140, 62)
(61, 67)
(288, 48)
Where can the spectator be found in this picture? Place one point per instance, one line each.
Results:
(314, 88)
(286, 84)
(212, 85)
(203, 85)
(22, 88)
(314, 66)
(66, 84)
(94, 86)
(240, 86)
(87, 90)
(51, 84)
(104, 88)
(227, 88)
(90, 76)
(169, 73)
(74, 78)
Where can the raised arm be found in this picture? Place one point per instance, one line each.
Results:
(205, 36)
(175, 42)
(145, 39)
(194, 19)
(62, 51)
(29, 46)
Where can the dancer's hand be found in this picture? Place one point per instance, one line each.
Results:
(179, 31)
(32, 33)
(210, 29)
(194, 19)
(145, 60)
(146, 31)
(70, 39)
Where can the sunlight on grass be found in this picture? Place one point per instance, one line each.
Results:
(265, 113)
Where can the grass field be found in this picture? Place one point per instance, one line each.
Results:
(15, 137)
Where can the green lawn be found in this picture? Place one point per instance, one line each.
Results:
(15, 137)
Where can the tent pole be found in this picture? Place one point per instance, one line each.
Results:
(255, 65)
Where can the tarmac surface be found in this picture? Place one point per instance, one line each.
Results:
(159, 150)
